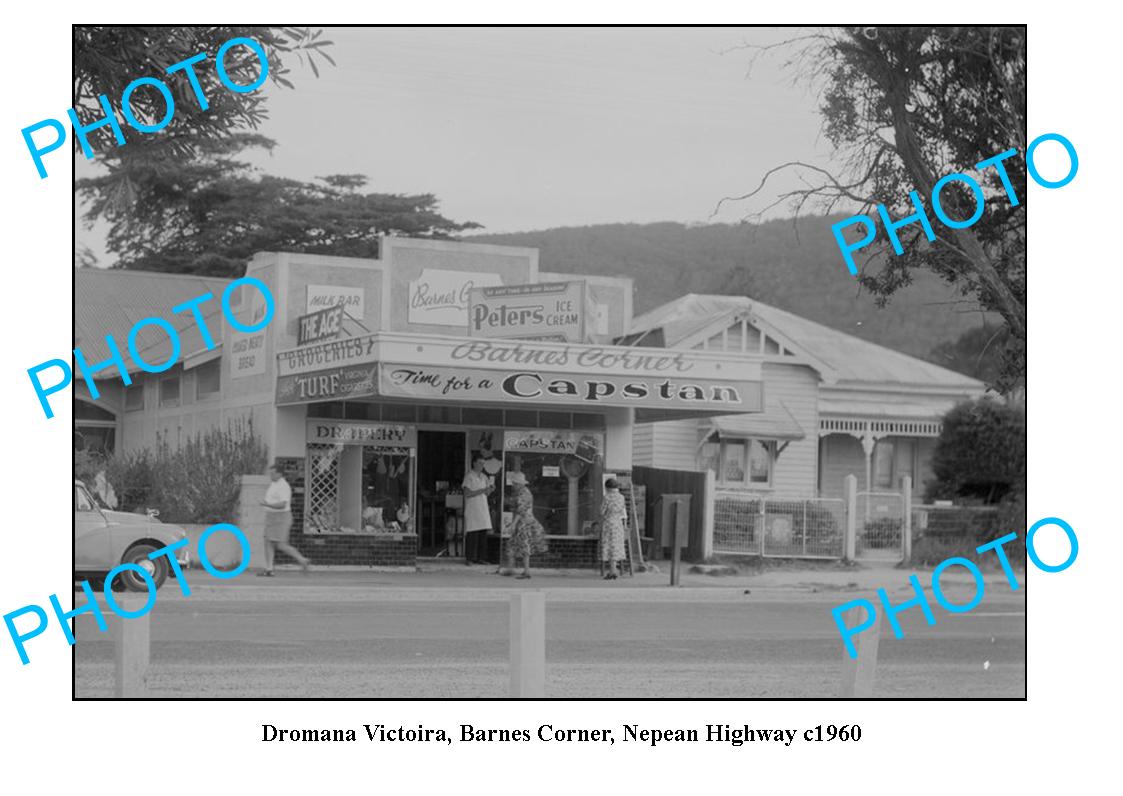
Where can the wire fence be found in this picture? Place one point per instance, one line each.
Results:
(749, 524)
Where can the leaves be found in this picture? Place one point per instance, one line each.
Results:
(210, 214)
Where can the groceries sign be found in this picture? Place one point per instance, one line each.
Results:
(547, 311)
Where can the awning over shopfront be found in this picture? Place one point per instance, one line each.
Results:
(436, 368)
(774, 425)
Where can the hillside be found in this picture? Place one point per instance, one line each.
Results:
(801, 273)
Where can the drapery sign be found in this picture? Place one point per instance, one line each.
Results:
(248, 350)
(545, 311)
(440, 297)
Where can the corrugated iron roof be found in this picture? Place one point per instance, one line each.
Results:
(111, 301)
(850, 358)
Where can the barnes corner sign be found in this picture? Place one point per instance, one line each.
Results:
(419, 367)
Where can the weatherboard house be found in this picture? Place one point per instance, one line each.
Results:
(378, 381)
(834, 404)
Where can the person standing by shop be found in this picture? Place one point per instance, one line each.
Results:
(278, 522)
(477, 515)
(613, 516)
(527, 534)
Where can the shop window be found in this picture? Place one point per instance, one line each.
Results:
(447, 415)
(331, 410)
(560, 420)
(476, 416)
(358, 489)
(353, 410)
(520, 418)
(208, 378)
(134, 397)
(583, 420)
(169, 391)
(740, 462)
(399, 413)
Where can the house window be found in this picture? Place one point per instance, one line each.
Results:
(169, 391)
(208, 378)
(893, 459)
(134, 397)
(740, 462)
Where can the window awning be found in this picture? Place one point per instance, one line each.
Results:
(777, 424)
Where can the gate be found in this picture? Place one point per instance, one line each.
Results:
(880, 524)
(748, 524)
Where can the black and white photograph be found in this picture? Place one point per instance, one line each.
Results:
(527, 362)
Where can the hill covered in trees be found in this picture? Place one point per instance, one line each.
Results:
(795, 267)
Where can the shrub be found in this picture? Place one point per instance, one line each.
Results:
(198, 482)
(981, 453)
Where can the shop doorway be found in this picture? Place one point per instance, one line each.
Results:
(440, 471)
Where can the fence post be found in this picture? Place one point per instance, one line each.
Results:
(858, 674)
(851, 540)
(761, 524)
(131, 649)
(528, 645)
(710, 499)
(676, 542)
(906, 526)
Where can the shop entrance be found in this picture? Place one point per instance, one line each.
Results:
(440, 471)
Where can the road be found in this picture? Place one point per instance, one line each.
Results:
(365, 635)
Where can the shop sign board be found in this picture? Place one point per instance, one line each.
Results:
(338, 353)
(582, 444)
(337, 432)
(321, 297)
(546, 311)
(247, 351)
(333, 384)
(323, 325)
(585, 389)
(440, 297)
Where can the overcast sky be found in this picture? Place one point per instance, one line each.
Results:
(530, 128)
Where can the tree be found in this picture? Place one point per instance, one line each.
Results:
(978, 353)
(211, 213)
(903, 107)
(980, 454)
(108, 58)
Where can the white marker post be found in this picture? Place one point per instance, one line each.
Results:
(131, 649)
(858, 674)
(528, 645)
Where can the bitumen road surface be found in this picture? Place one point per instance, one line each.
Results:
(445, 635)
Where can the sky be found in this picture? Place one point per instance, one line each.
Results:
(530, 128)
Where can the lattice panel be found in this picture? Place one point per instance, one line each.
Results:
(321, 507)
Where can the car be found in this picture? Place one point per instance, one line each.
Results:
(104, 539)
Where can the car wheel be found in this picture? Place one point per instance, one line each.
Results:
(132, 581)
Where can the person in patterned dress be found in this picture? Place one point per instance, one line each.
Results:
(613, 517)
(527, 534)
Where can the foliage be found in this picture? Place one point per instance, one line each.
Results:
(108, 58)
(198, 482)
(209, 215)
(790, 264)
(879, 534)
(87, 464)
(979, 352)
(903, 107)
(981, 453)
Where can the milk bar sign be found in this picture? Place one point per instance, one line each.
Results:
(547, 311)
(323, 325)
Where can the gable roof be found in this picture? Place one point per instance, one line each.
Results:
(840, 356)
(111, 301)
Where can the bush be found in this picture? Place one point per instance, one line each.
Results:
(198, 482)
(881, 534)
(981, 453)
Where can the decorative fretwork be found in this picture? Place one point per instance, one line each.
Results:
(321, 510)
(879, 428)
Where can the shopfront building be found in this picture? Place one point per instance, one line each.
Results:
(379, 380)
